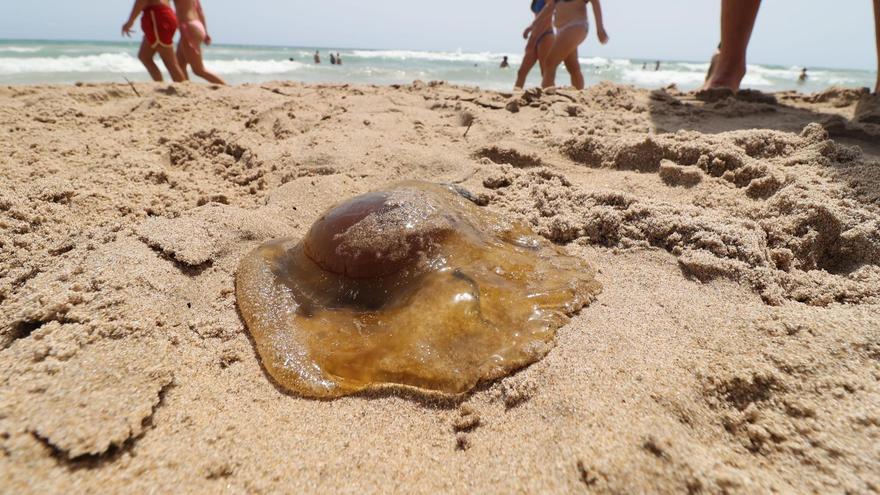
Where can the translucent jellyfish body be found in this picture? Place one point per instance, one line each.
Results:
(411, 286)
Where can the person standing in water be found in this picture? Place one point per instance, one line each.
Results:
(504, 63)
(540, 39)
(338, 59)
(332, 59)
(803, 77)
(193, 32)
(317, 57)
(572, 27)
(158, 23)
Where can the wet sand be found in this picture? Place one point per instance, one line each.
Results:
(735, 346)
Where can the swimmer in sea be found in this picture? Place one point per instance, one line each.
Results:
(504, 63)
(158, 23)
(193, 32)
(317, 57)
(332, 59)
(540, 39)
(803, 77)
(572, 26)
(338, 59)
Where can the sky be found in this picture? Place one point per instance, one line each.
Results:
(789, 32)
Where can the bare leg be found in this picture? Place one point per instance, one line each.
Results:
(198, 66)
(544, 50)
(566, 42)
(145, 54)
(529, 60)
(877, 35)
(573, 66)
(170, 60)
(737, 21)
(181, 60)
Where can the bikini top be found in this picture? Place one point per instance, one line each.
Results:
(537, 6)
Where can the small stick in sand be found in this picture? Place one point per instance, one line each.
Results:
(469, 128)
(132, 86)
(466, 118)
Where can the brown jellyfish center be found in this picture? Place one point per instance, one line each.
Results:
(376, 234)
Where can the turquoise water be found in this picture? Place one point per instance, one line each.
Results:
(67, 62)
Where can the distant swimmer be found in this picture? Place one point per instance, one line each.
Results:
(803, 77)
(572, 27)
(504, 63)
(332, 59)
(644, 65)
(657, 66)
(317, 57)
(158, 23)
(338, 59)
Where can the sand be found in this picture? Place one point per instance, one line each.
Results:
(735, 347)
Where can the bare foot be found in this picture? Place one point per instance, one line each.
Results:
(726, 78)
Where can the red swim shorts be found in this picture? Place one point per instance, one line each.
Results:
(159, 24)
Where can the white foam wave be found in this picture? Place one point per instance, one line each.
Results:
(653, 79)
(254, 66)
(128, 64)
(105, 62)
(20, 49)
(429, 56)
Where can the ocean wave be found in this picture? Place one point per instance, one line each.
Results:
(127, 64)
(20, 49)
(255, 66)
(475, 57)
(654, 79)
(105, 62)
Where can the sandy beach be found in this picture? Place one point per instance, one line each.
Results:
(735, 347)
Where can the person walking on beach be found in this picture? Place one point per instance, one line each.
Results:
(540, 39)
(877, 40)
(317, 57)
(158, 23)
(193, 32)
(572, 26)
(737, 22)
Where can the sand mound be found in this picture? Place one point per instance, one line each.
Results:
(789, 231)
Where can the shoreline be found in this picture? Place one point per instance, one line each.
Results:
(67, 63)
(734, 346)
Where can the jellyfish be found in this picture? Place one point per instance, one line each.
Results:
(412, 286)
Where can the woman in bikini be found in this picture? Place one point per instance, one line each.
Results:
(192, 34)
(572, 27)
(540, 39)
(158, 23)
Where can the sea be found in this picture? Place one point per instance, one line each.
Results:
(69, 62)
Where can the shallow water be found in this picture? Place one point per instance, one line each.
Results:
(66, 62)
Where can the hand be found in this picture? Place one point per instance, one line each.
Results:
(207, 39)
(126, 28)
(603, 36)
(527, 32)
